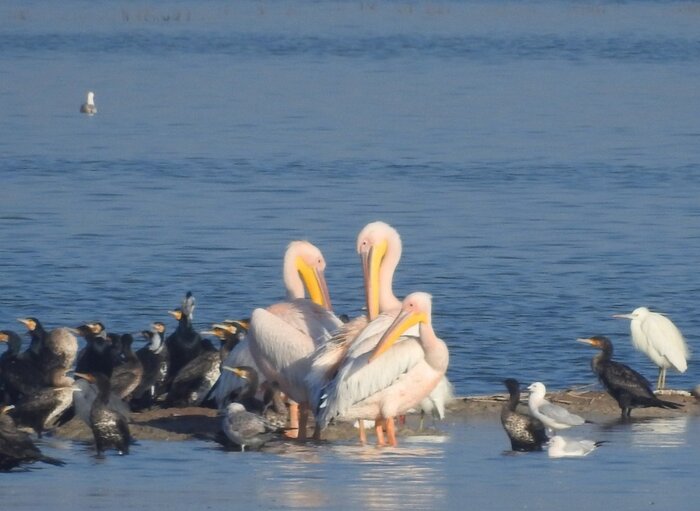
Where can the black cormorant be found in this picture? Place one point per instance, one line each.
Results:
(193, 382)
(246, 394)
(16, 446)
(96, 356)
(154, 359)
(18, 375)
(185, 343)
(126, 376)
(629, 388)
(109, 426)
(525, 432)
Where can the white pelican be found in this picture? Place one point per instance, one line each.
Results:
(394, 376)
(282, 336)
(655, 335)
(379, 247)
(553, 416)
(561, 447)
(89, 106)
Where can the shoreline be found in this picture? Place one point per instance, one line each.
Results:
(195, 423)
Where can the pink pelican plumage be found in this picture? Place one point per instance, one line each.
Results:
(283, 335)
(393, 377)
(379, 247)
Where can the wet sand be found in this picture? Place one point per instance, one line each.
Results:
(178, 424)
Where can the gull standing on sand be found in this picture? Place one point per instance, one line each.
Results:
(245, 428)
(89, 106)
(562, 447)
(553, 416)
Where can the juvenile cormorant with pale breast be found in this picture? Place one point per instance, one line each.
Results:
(524, 431)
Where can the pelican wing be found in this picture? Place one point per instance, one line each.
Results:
(560, 414)
(359, 380)
(327, 358)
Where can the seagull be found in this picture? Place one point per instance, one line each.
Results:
(562, 447)
(89, 106)
(245, 428)
(553, 416)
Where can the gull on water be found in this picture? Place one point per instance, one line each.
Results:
(553, 416)
(89, 106)
(562, 447)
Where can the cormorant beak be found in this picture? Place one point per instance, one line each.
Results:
(31, 325)
(591, 342)
(88, 377)
(237, 372)
(176, 314)
(6, 409)
(74, 331)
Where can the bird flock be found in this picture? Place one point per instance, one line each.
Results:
(287, 365)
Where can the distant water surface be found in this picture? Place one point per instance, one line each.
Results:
(540, 160)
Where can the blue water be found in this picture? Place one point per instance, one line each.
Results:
(540, 160)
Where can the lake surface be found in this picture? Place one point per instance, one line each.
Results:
(540, 160)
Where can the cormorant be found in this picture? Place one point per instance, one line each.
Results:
(246, 394)
(18, 376)
(96, 356)
(42, 409)
(193, 382)
(109, 426)
(524, 431)
(629, 388)
(16, 446)
(154, 359)
(552, 416)
(185, 343)
(126, 376)
(230, 333)
(246, 429)
(56, 349)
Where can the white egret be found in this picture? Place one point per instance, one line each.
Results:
(657, 336)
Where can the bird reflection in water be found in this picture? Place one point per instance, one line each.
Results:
(663, 432)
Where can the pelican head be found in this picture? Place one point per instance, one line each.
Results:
(304, 268)
(375, 241)
(416, 308)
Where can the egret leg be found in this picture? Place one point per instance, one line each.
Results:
(391, 432)
(422, 419)
(663, 378)
(379, 430)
